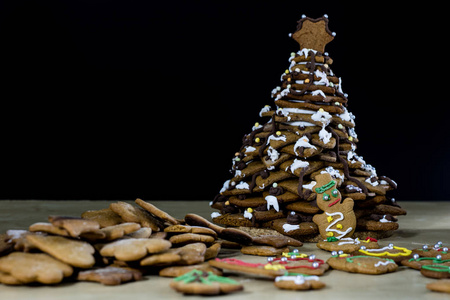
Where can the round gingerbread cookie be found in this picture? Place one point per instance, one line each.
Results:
(435, 271)
(347, 245)
(199, 282)
(416, 262)
(298, 282)
(442, 285)
(433, 251)
(364, 264)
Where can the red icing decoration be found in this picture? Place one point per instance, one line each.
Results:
(319, 261)
(333, 203)
(233, 261)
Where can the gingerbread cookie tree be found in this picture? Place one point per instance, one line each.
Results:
(309, 132)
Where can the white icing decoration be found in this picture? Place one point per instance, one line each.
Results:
(324, 135)
(369, 181)
(215, 215)
(242, 186)
(248, 215)
(225, 186)
(336, 220)
(299, 123)
(298, 111)
(340, 86)
(273, 153)
(276, 138)
(321, 116)
(346, 116)
(264, 109)
(256, 127)
(323, 78)
(303, 142)
(298, 163)
(349, 241)
(272, 201)
(384, 263)
(289, 227)
(384, 220)
(333, 172)
(318, 92)
(297, 279)
(305, 51)
(310, 185)
(249, 149)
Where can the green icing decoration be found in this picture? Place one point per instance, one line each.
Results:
(437, 268)
(350, 260)
(204, 277)
(332, 239)
(434, 259)
(325, 187)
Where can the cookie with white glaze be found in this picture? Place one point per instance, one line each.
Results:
(298, 282)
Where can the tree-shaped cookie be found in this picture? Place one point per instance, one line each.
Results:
(309, 132)
(338, 218)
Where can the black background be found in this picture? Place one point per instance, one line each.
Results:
(150, 99)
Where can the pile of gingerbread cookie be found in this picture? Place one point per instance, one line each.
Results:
(122, 243)
(310, 132)
(126, 241)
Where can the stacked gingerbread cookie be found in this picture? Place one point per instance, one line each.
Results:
(310, 131)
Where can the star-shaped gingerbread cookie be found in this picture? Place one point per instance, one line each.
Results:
(313, 33)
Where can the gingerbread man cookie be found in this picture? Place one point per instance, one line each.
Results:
(338, 218)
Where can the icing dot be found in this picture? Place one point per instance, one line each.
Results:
(425, 247)
(315, 264)
(306, 80)
(257, 140)
(438, 257)
(416, 256)
(275, 184)
(363, 247)
(287, 71)
(278, 133)
(250, 210)
(270, 259)
(295, 251)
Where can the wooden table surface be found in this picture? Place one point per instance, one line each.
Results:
(426, 222)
